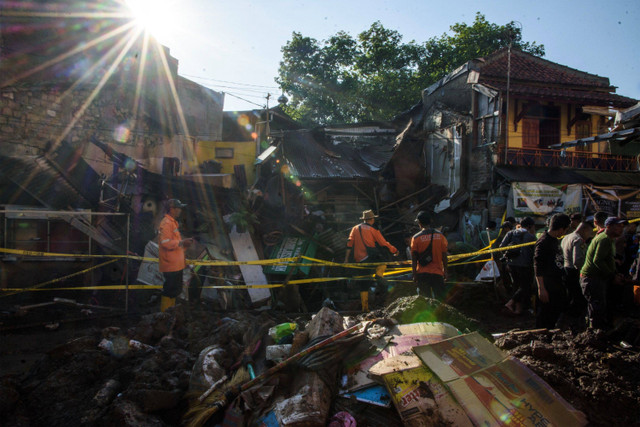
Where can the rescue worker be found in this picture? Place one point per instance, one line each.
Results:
(171, 259)
(362, 240)
(429, 258)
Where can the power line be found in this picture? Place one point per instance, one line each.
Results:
(209, 85)
(227, 81)
(245, 100)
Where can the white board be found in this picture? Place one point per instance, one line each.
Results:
(244, 250)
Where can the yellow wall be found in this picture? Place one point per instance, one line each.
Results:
(515, 138)
(244, 153)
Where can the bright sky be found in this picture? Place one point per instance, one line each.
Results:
(234, 46)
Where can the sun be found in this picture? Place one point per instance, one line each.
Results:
(157, 17)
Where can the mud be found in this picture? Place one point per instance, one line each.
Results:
(136, 370)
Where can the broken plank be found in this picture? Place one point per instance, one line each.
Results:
(245, 250)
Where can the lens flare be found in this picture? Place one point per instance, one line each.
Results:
(121, 134)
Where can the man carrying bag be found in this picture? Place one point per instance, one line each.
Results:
(429, 258)
(367, 244)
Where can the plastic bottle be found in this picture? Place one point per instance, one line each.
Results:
(282, 330)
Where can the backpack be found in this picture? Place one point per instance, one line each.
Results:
(516, 239)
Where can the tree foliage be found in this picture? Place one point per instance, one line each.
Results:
(376, 75)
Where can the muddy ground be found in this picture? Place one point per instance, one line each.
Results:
(70, 367)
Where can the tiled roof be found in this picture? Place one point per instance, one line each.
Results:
(539, 78)
(590, 97)
(525, 66)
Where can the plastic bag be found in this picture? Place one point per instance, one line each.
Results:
(489, 272)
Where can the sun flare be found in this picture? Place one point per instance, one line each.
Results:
(158, 17)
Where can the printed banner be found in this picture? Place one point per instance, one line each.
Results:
(614, 200)
(531, 198)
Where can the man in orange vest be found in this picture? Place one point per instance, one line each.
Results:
(361, 237)
(429, 258)
(171, 260)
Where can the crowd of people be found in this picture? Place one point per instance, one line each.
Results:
(580, 270)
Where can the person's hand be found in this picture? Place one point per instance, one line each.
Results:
(187, 242)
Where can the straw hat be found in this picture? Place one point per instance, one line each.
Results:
(368, 215)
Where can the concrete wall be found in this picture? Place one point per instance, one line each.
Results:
(123, 91)
(244, 153)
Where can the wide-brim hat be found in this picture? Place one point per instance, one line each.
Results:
(368, 215)
(175, 203)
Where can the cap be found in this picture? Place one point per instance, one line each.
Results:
(175, 203)
(368, 215)
(615, 220)
(423, 218)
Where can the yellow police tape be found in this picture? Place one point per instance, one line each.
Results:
(271, 262)
(60, 279)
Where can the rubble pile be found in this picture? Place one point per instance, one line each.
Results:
(189, 365)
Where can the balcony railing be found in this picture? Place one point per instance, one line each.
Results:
(571, 159)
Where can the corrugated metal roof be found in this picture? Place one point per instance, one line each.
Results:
(34, 177)
(611, 178)
(546, 175)
(568, 176)
(357, 159)
(620, 136)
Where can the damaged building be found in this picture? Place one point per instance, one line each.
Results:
(96, 136)
(499, 129)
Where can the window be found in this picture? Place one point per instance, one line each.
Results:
(541, 126)
(583, 130)
(224, 153)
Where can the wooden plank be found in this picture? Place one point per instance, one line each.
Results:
(244, 250)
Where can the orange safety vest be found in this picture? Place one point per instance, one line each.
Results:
(419, 244)
(171, 253)
(370, 236)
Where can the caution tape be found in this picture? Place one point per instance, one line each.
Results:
(456, 257)
(60, 279)
(57, 255)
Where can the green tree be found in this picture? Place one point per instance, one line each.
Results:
(376, 75)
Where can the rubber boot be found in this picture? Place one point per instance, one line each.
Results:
(364, 300)
(166, 302)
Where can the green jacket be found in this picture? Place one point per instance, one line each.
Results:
(600, 259)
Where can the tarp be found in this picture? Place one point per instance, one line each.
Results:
(495, 389)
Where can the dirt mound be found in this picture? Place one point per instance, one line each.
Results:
(596, 377)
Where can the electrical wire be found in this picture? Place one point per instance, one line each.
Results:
(227, 81)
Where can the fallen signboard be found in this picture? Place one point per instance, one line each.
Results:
(495, 389)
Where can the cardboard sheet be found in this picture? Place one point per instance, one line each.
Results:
(493, 388)
(402, 339)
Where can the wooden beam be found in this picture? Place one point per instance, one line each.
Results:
(406, 197)
(520, 115)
